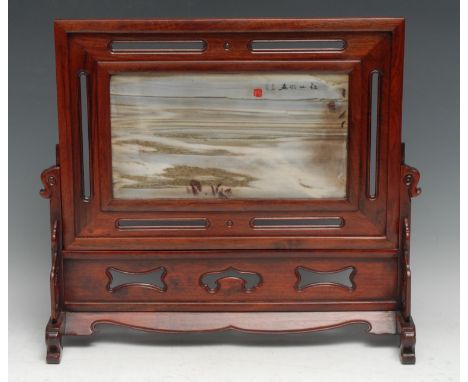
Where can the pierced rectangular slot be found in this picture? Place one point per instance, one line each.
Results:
(373, 135)
(138, 47)
(162, 223)
(85, 144)
(297, 223)
(297, 45)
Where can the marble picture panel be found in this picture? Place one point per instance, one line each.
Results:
(229, 135)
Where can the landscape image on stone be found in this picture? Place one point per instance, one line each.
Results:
(229, 135)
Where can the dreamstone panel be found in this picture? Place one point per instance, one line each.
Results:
(229, 136)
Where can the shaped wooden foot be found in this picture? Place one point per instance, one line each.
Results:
(53, 338)
(407, 331)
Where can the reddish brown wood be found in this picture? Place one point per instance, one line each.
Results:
(53, 338)
(219, 276)
(405, 325)
(407, 331)
(378, 322)
(406, 271)
(87, 283)
(80, 47)
(87, 242)
(51, 182)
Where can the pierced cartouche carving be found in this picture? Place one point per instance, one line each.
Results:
(153, 278)
(211, 280)
(307, 278)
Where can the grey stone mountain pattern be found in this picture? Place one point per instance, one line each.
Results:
(229, 135)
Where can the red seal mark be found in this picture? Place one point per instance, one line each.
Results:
(258, 92)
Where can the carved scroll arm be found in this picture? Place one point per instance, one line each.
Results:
(411, 177)
(51, 190)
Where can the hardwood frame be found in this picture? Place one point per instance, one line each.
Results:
(374, 238)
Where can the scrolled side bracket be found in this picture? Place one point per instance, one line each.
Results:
(410, 177)
(406, 271)
(409, 189)
(55, 274)
(49, 178)
(405, 324)
(51, 190)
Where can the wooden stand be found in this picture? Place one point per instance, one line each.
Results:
(229, 275)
